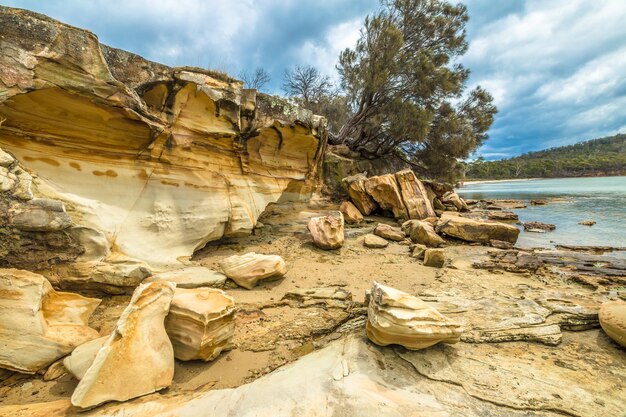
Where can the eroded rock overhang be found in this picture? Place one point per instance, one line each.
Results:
(161, 160)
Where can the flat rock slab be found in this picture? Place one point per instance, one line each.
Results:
(573, 380)
(351, 377)
(191, 277)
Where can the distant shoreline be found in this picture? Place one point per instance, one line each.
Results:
(490, 181)
(468, 182)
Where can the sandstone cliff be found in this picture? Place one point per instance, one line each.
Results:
(161, 160)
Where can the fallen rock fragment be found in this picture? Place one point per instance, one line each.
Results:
(55, 371)
(414, 195)
(351, 214)
(452, 198)
(329, 297)
(472, 230)
(395, 317)
(384, 190)
(191, 277)
(82, 357)
(248, 269)
(39, 325)
(137, 358)
(39, 215)
(200, 323)
(356, 190)
(374, 242)
(434, 257)
(417, 250)
(613, 320)
(422, 232)
(327, 231)
(389, 232)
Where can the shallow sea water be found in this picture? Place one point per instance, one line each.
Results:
(602, 199)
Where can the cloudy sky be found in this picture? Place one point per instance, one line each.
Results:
(557, 68)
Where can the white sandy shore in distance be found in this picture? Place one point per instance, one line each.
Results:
(489, 181)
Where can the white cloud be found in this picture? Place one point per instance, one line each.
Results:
(596, 78)
(324, 55)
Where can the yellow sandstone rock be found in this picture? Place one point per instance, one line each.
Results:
(395, 317)
(612, 316)
(414, 195)
(137, 358)
(248, 269)
(201, 323)
(39, 325)
(351, 214)
(143, 152)
(327, 231)
(385, 191)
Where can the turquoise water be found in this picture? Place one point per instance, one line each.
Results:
(602, 199)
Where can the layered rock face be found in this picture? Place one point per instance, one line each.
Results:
(395, 317)
(137, 358)
(145, 153)
(201, 323)
(37, 324)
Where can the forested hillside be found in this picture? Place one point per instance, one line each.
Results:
(597, 157)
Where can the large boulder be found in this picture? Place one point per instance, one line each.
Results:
(472, 230)
(200, 323)
(414, 195)
(422, 232)
(351, 214)
(39, 325)
(395, 317)
(137, 358)
(385, 191)
(357, 192)
(327, 231)
(613, 320)
(248, 269)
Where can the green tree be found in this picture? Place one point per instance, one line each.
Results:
(406, 91)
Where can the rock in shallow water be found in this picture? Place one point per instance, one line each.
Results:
(395, 317)
(39, 325)
(248, 269)
(327, 231)
(200, 323)
(137, 358)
